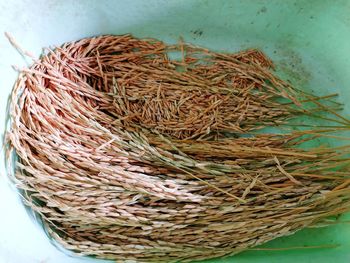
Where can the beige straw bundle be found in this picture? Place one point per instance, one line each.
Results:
(128, 155)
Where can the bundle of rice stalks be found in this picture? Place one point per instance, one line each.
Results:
(127, 154)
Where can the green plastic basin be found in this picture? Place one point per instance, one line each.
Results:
(308, 40)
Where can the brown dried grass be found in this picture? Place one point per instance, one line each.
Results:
(129, 155)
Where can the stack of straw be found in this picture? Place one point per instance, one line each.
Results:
(128, 155)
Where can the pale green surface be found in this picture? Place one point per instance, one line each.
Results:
(307, 39)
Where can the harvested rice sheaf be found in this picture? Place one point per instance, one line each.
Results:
(127, 154)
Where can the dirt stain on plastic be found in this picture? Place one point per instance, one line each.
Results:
(292, 68)
(197, 32)
(262, 10)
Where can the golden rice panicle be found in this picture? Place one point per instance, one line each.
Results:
(127, 154)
